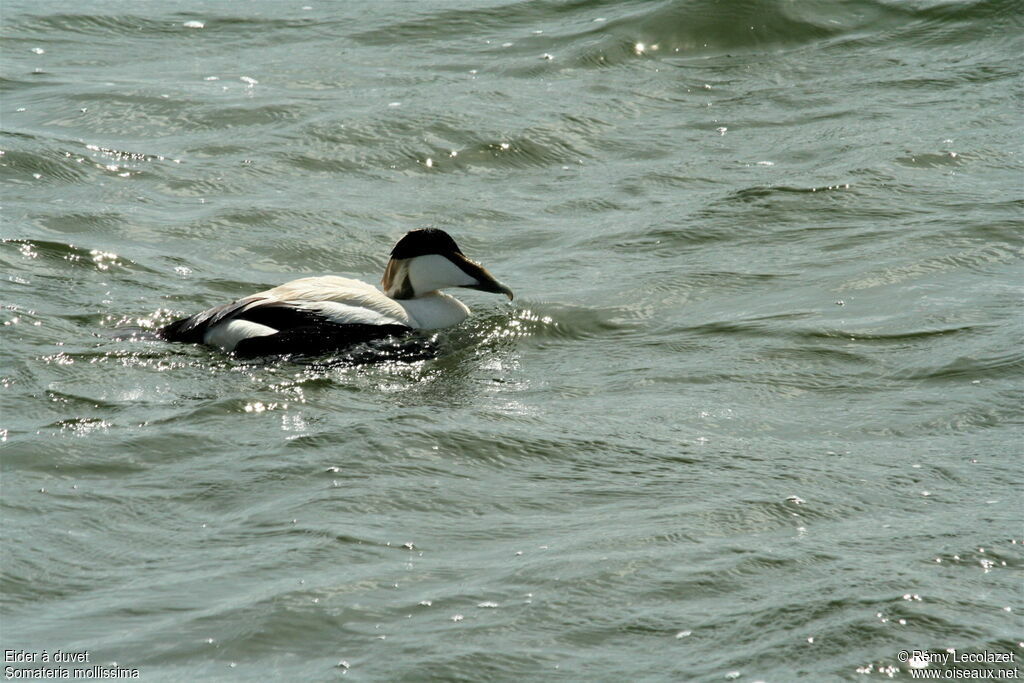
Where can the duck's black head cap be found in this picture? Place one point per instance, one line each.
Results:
(423, 242)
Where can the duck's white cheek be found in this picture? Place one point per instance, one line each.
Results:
(434, 271)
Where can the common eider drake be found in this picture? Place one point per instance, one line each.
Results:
(322, 314)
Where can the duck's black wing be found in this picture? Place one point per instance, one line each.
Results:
(302, 327)
(323, 338)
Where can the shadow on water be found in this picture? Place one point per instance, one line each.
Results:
(485, 335)
(448, 367)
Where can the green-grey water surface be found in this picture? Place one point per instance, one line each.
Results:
(754, 414)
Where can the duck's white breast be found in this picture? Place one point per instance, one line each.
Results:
(434, 311)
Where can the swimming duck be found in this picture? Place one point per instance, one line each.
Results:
(320, 314)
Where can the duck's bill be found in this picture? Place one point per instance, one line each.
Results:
(485, 282)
